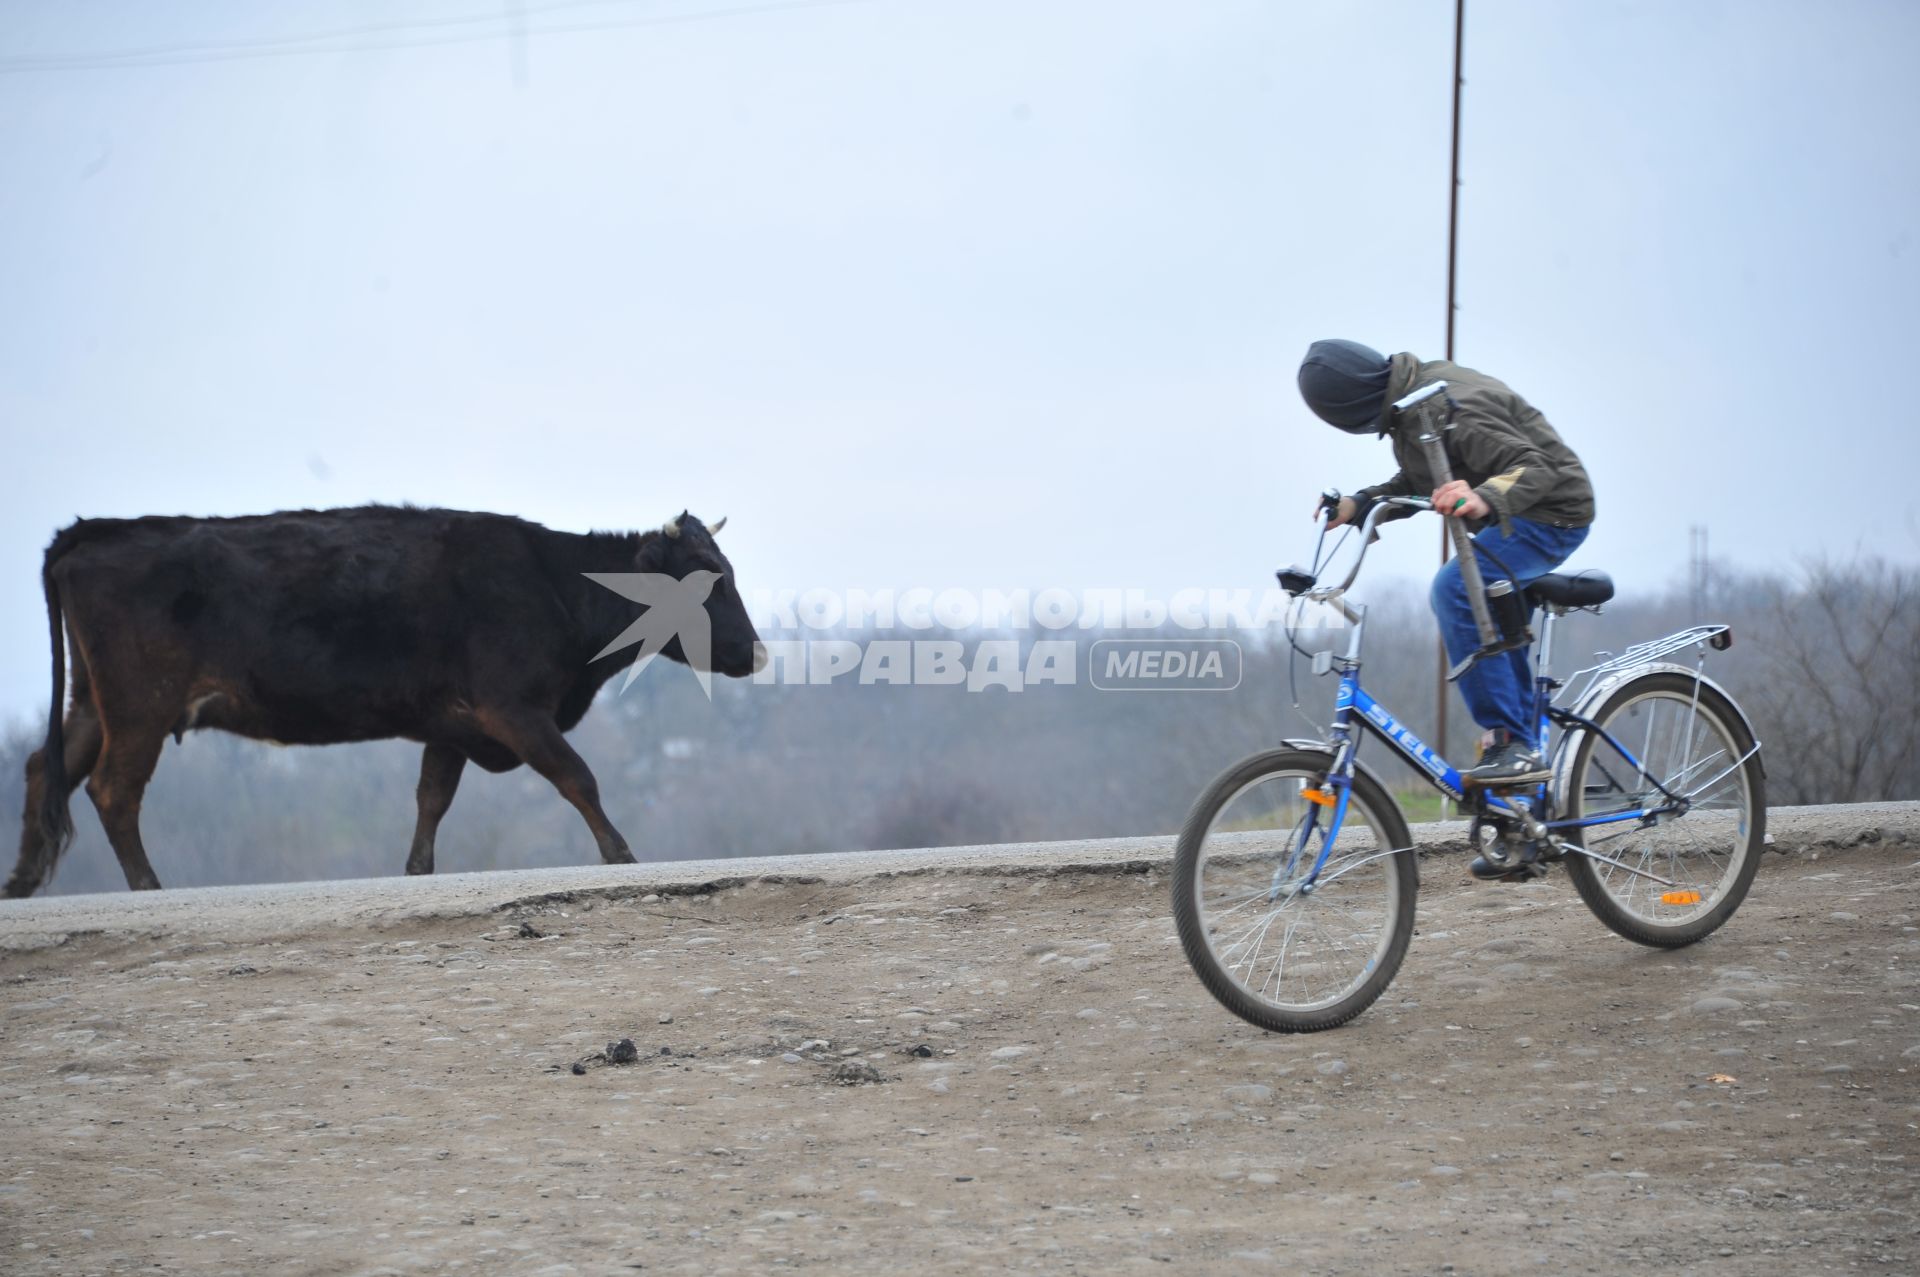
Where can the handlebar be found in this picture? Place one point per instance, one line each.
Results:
(1367, 525)
(1513, 631)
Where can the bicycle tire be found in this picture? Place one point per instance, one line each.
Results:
(1399, 877)
(1611, 893)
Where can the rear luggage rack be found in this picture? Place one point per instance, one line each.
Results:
(1578, 683)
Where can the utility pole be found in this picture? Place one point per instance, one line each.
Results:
(1453, 245)
(517, 41)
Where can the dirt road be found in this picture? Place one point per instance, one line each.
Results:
(392, 1092)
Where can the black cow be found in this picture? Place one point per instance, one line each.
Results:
(477, 635)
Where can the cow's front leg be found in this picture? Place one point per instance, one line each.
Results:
(537, 740)
(440, 768)
(117, 786)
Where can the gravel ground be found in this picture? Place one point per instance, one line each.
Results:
(993, 1058)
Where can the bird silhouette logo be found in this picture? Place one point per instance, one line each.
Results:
(676, 607)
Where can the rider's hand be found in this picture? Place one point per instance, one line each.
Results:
(1342, 514)
(1471, 504)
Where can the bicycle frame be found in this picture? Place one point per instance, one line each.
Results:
(1353, 707)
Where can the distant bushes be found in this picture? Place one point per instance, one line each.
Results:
(1827, 661)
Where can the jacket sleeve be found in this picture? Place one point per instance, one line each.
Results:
(1398, 486)
(1518, 473)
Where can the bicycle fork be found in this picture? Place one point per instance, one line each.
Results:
(1284, 881)
(1331, 797)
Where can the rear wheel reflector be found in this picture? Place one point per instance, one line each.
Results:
(1680, 898)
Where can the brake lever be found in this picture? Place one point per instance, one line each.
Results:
(1296, 580)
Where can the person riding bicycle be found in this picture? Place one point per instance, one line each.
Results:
(1518, 486)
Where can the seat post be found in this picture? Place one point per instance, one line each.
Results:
(1543, 664)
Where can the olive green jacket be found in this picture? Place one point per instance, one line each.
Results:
(1499, 444)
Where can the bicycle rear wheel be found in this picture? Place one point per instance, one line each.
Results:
(1689, 736)
(1290, 955)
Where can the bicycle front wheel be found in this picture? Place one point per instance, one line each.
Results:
(1279, 945)
(1692, 739)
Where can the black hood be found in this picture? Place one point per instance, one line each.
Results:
(1345, 384)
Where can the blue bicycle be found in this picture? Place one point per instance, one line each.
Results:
(1295, 874)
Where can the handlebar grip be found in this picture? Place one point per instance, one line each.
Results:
(1420, 396)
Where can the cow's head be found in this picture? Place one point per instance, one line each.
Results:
(683, 547)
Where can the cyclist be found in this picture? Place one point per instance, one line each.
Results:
(1516, 483)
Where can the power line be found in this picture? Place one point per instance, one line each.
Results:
(337, 33)
(320, 41)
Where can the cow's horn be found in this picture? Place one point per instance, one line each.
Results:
(671, 527)
(715, 529)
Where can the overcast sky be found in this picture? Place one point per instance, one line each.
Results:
(952, 294)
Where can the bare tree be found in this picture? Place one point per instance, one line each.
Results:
(1838, 699)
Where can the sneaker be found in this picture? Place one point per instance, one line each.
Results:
(1505, 764)
(1505, 870)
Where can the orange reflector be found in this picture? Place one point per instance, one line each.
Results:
(1320, 796)
(1680, 898)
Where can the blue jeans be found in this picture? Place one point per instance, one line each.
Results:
(1499, 689)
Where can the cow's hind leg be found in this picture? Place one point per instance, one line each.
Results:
(440, 768)
(537, 740)
(118, 786)
(37, 855)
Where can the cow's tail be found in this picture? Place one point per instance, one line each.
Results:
(47, 833)
(56, 822)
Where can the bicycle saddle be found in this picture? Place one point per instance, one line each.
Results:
(1571, 589)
